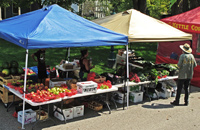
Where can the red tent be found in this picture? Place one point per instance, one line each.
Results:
(168, 52)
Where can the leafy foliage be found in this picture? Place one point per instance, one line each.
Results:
(63, 3)
(121, 5)
(172, 2)
(4, 3)
(158, 7)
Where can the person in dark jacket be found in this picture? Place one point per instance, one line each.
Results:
(40, 58)
(186, 66)
(84, 64)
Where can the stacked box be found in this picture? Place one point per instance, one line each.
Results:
(68, 113)
(136, 97)
(4, 92)
(78, 111)
(29, 116)
(56, 82)
(86, 87)
(154, 95)
(165, 94)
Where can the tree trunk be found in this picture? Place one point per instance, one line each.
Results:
(135, 4)
(35, 6)
(194, 4)
(19, 11)
(0, 14)
(177, 7)
(185, 5)
(4, 12)
(140, 5)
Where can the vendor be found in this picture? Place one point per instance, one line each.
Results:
(84, 64)
(40, 58)
(120, 65)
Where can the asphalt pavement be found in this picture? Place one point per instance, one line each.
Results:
(147, 115)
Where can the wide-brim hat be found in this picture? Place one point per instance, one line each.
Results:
(186, 48)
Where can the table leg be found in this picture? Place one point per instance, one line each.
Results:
(61, 112)
(147, 93)
(11, 103)
(114, 102)
(67, 73)
(49, 118)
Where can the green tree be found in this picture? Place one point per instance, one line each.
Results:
(4, 3)
(157, 8)
(121, 5)
(64, 3)
(180, 6)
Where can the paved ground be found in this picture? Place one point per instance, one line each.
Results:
(154, 115)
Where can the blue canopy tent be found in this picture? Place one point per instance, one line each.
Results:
(55, 27)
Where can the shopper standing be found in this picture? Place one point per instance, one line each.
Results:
(85, 64)
(42, 72)
(186, 66)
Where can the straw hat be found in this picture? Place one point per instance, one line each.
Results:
(186, 48)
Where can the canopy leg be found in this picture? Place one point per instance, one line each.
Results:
(127, 73)
(25, 77)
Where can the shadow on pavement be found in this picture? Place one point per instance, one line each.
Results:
(158, 106)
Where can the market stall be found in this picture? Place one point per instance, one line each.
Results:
(55, 27)
(189, 23)
(141, 28)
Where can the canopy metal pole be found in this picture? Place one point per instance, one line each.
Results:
(127, 73)
(68, 54)
(25, 77)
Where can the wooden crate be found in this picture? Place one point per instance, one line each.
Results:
(5, 95)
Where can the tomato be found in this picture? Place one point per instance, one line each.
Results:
(69, 93)
(21, 91)
(61, 95)
(74, 91)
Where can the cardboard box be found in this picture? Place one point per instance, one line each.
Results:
(155, 95)
(29, 116)
(86, 87)
(56, 82)
(136, 97)
(165, 94)
(68, 113)
(119, 97)
(78, 111)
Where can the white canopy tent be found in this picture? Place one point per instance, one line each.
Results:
(140, 27)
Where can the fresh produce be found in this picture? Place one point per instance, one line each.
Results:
(134, 77)
(30, 87)
(62, 91)
(40, 96)
(105, 85)
(6, 71)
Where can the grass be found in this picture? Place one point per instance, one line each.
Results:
(100, 55)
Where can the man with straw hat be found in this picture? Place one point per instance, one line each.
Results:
(186, 66)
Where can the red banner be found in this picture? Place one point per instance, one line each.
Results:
(192, 28)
